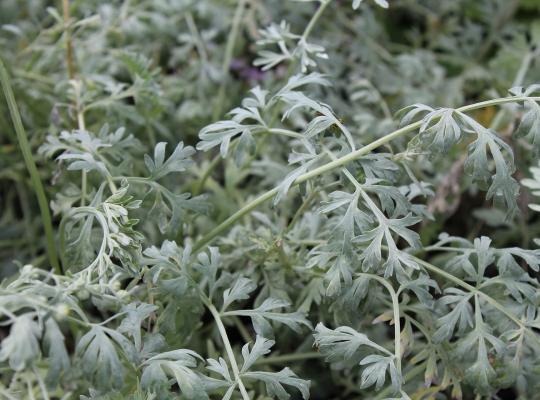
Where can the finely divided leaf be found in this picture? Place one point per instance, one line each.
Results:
(375, 372)
(461, 314)
(529, 127)
(276, 380)
(53, 341)
(341, 343)
(98, 357)
(135, 315)
(178, 161)
(21, 347)
(240, 290)
(261, 347)
(178, 365)
(269, 311)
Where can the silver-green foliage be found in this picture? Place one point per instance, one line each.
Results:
(294, 246)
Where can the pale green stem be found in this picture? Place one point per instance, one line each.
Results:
(130, 92)
(67, 33)
(231, 41)
(449, 249)
(395, 309)
(201, 49)
(418, 325)
(26, 151)
(315, 18)
(208, 171)
(298, 214)
(36, 303)
(82, 127)
(120, 314)
(524, 68)
(83, 187)
(241, 329)
(287, 358)
(41, 384)
(229, 350)
(77, 85)
(332, 165)
(286, 132)
(29, 388)
(109, 177)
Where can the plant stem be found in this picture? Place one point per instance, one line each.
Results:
(229, 350)
(206, 174)
(231, 41)
(314, 19)
(395, 308)
(286, 358)
(29, 389)
(83, 187)
(524, 67)
(69, 47)
(201, 49)
(82, 127)
(298, 214)
(31, 167)
(354, 155)
(106, 101)
(286, 132)
(241, 329)
(41, 384)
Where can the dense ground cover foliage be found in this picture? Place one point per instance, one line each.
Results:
(256, 199)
